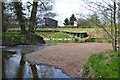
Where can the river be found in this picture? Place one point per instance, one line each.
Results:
(15, 66)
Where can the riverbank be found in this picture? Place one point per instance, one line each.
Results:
(68, 57)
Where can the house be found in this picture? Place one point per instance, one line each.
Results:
(47, 23)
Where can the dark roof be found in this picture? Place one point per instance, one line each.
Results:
(50, 19)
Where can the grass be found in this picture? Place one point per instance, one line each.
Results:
(54, 35)
(63, 29)
(14, 37)
(92, 32)
(58, 35)
(102, 65)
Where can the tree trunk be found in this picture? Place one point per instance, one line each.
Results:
(115, 27)
(19, 13)
(119, 25)
(33, 17)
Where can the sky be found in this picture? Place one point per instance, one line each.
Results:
(65, 8)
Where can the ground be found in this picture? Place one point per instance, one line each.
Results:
(68, 57)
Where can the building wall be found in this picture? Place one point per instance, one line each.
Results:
(50, 22)
(47, 22)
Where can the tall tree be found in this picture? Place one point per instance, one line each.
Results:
(72, 19)
(20, 16)
(7, 17)
(66, 21)
(45, 9)
(33, 17)
(119, 24)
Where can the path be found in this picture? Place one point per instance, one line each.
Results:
(68, 57)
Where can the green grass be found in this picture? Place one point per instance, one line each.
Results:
(54, 35)
(92, 32)
(102, 65)
(14, 37)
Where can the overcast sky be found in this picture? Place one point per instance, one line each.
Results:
(65, 8)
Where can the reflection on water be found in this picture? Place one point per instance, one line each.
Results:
(11, 65)
(16, 67)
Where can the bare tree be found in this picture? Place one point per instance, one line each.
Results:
(111, 16)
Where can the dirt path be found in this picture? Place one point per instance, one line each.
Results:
(68, 57)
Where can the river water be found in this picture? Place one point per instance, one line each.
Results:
(15, 66)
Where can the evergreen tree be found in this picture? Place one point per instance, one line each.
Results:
(72, 19)
(66, 21)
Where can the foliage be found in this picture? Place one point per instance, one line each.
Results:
(7, 17)
(84, 23)
(90, 39)
(75, 40)
(14, 37)
(102, 65)
(72, 19)
(45, 9)
(66, 21)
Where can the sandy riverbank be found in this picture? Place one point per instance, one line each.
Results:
(68, 57)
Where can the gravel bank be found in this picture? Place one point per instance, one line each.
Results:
(68, 57)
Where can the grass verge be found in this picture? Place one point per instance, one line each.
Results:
(102, 65)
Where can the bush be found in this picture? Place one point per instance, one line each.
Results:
(90, 39)
(75, 40)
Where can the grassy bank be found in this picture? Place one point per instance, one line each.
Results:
(14, 38)
(92, 32)
(102, 65)
(58, 35)
(54, 35)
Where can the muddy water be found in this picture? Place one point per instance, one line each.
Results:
(14, 66)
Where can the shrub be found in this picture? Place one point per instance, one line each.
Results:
(90, 39)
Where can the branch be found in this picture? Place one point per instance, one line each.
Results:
(101, 27)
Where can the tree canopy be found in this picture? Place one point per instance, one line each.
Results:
(72, 19)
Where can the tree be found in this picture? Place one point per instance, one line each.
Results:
(66, 21)
(72, 19)
(33, 17)
(45, 9)
(119, 24)
(111, 7)
(20, 15)
(84, 23)
(7, 17)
